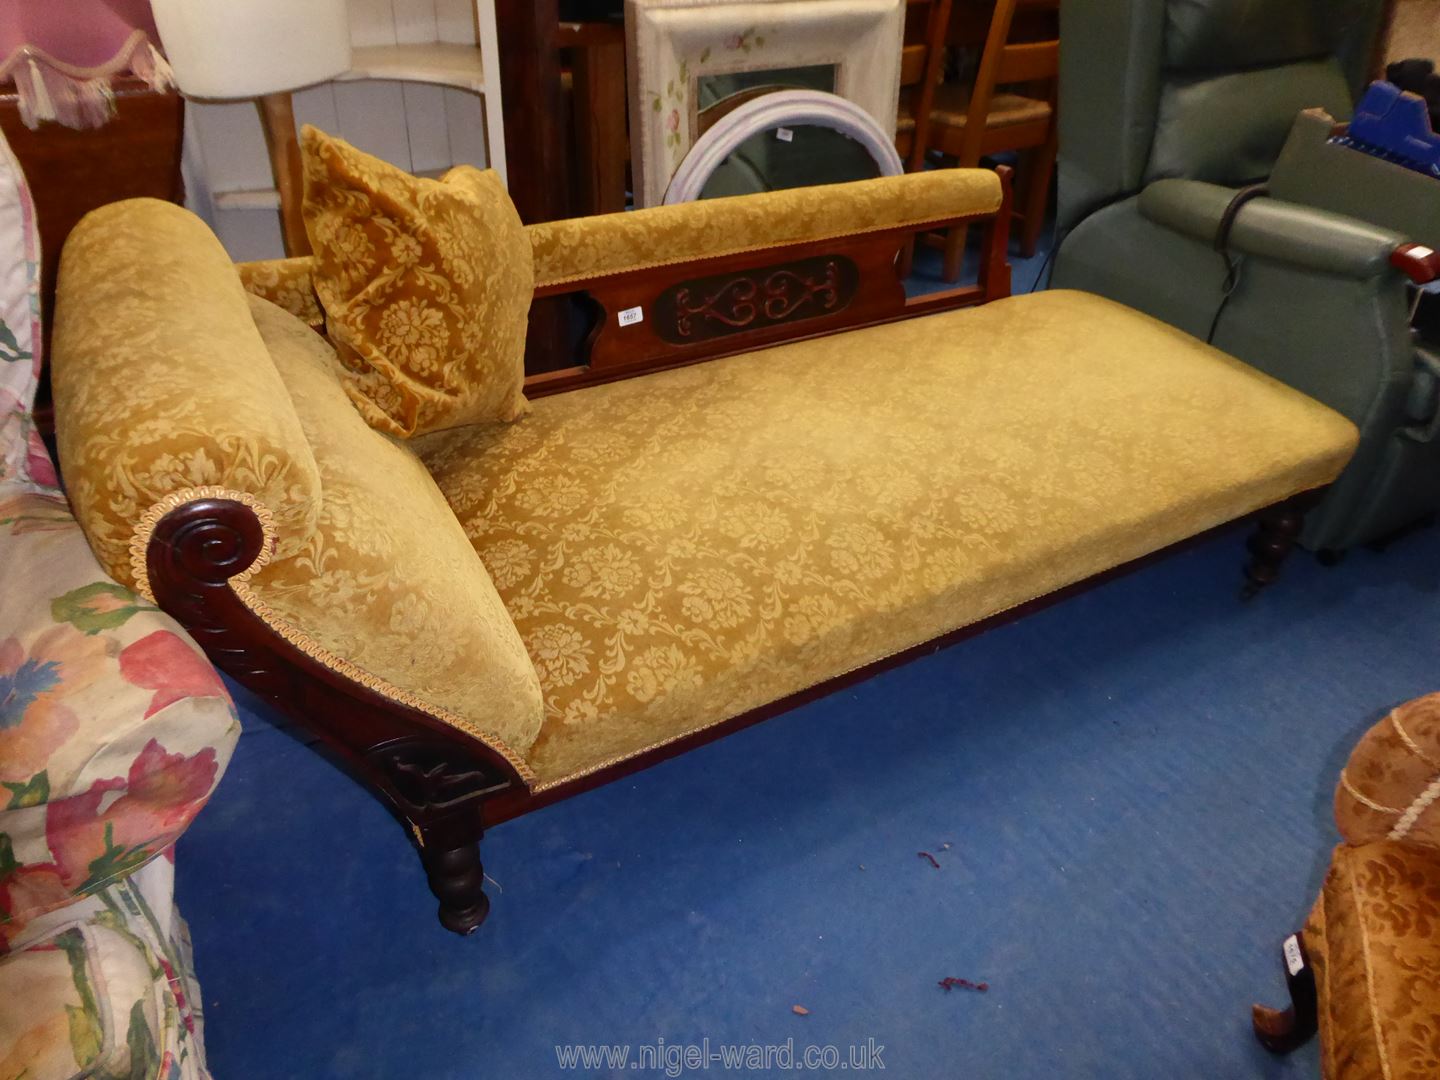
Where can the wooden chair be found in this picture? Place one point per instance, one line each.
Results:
(922, 60)
(968, 122)
(927, 22)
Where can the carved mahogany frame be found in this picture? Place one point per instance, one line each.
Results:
(613, 351)
(443, 784)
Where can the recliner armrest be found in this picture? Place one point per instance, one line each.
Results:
(1273, 229)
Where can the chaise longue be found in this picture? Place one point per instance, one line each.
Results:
(481, 618)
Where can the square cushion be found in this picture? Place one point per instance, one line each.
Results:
(1374, 940)
(425, 287)
(680, 548)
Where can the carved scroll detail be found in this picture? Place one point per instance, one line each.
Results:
(754, 299)
(429, 776)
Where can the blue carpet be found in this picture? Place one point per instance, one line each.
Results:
(1135, 785)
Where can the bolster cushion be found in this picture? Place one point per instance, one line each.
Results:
(1390, 787)
(635, 240)
(164, 390)
(388, 580)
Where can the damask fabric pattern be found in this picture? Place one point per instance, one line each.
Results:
(613, 243)
(288, 284)
(1374, 939)
(162, 383)
(425, 284)
(388, 580)
(1390, 787)
(680, 548)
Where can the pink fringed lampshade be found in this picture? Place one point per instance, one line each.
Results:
(62, 55)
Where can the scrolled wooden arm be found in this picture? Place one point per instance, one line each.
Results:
(433, 776)
(198, 547)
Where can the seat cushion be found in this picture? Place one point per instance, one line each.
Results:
(1374, 940)
(680, 548)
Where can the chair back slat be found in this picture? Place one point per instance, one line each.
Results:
(920, 67)
(1029, 62)
(912, 63)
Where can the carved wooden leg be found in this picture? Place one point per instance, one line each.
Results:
(1281, 1031)
(458, 881)
(1273, 539)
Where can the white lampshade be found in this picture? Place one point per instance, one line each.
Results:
(248, 48)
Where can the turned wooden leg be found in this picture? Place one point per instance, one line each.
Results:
(458, 881)
(1281, 1031)
(1274, 538)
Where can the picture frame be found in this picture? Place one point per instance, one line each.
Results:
(674, 44)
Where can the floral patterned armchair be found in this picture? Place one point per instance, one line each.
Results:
(114, 729)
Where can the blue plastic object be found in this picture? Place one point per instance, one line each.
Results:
(1395, 126)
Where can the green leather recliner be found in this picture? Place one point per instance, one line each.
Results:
(1166, 108)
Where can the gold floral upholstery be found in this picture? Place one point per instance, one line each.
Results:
(680, 548)
(425, 285)
(166, 391)
(286, 283)
(179, 395)
(1391, 784)
(1374, 941)
(613, 243)
(387, 580)
(1374, 933)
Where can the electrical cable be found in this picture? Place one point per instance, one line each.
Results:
(1233, 263)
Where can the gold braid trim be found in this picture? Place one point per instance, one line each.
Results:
(317, 652)
(1410, 743)
(140, 539)
(1415, 809)
(1354, 793)
(838, 234)
(240, 585)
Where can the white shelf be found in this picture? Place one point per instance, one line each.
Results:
(247, 199)
(269, 198)
(437, 63)
(452, 113)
